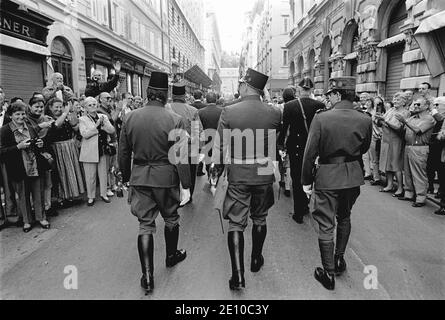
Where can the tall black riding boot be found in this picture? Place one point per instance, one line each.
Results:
(258, 237)
(343, 232)
(145, 248)
(173, 255)
(325, 275)
(235, 240)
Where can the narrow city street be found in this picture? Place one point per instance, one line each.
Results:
(405, 244)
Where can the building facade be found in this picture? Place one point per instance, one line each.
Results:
(272, 35)
(212, 44)
(389, 45)
(186, 30)
(93, 34)
(229, 79)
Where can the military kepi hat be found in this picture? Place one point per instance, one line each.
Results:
(178, 89)
(341, 83)
(158, 81)
(254, 79)
(306, 83)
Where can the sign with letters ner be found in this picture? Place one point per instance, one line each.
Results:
(25, 25)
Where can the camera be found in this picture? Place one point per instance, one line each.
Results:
(33, 143)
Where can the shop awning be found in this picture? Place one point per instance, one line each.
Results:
(351, 56)
(196, 75)
(432, 23)
(428, 36)
(398, 38)
(16, 43)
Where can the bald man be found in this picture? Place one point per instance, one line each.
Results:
(57, 89)
(95, 87)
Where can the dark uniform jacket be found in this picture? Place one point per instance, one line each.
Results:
(198, 105)
(294, 122)
(339, 137)
(249, 114)
(146, 134)
(210, 117)
(95, 88)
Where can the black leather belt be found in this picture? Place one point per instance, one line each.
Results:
(338, 160)
(147, 163)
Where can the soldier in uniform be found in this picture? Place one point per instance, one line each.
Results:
(154, 180)
(249, 174)
(193, 126)
(339, 137)
(297, 119)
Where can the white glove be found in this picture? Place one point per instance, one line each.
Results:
(308, 191)
(201, 157)
(185, 197)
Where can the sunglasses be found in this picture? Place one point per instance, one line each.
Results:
(417, 104)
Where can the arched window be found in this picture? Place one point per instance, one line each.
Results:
(174, 53)
(62, 59)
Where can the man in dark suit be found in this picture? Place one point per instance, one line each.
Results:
(248, 130)
(155, 175)
(198, 104)
(209, 118)
(193, 126)
(339, 137)
(297, 119)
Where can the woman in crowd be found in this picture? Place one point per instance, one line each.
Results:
(374, 150)
(69, 177)
(94, 129)
(41, 124)
(392, 146)
(19, 149)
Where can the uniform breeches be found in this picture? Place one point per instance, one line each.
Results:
(242, 199)
(416, 179)
(147, 202)
(301, 201)
(331, 205)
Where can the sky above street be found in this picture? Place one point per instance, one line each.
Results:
(231, 21)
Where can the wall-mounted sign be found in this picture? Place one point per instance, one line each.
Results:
(26, 25)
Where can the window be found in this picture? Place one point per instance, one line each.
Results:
(285, 57)
(99, 11)
(118, 21)
(173, 16)
(174, 53)
(286, 24)
(62, 60)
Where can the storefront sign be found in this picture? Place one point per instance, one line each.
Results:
(24, 25)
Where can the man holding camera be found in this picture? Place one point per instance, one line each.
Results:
(95, 87)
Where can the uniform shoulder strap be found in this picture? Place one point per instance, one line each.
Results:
(304, 115)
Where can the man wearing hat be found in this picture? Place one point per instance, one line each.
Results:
(339, 137)
(297, 119)
(155, 178)
(247, 137)
(193, 126)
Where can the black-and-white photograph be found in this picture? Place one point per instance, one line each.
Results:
(240, 152)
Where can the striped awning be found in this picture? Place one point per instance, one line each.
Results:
(432, 23)
(398, 38)
(351, 56)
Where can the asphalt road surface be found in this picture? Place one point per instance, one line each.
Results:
(401, 246)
